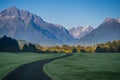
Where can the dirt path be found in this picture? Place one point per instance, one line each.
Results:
(31, 71)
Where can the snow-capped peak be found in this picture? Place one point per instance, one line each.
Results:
(87, 28)
(108, 20)
(80, 32)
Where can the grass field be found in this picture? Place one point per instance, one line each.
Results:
(10, 61)
(100, 66)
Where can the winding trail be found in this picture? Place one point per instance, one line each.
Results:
(31, 71)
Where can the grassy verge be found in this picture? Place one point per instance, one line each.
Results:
(85, 67)
(10, 61)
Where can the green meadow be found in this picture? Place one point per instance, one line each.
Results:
(10, 61)
(86, 66)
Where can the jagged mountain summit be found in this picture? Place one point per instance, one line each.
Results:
(23, 25)
(79, 32)
(109, 30)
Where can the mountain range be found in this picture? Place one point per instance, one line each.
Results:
(23, 25)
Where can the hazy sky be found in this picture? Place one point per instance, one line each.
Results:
(69, 13)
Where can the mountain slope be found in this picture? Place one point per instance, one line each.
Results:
(80, 32)
(23, 25)
(109, 30)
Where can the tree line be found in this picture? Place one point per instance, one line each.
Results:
(113, 46)
(108, 47)
(8, 44)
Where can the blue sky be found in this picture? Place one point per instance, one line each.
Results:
(69, 13)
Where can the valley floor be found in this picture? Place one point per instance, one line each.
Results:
(10, 61)
(99, 66)
(86, 66)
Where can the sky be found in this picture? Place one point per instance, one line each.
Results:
(69, 13)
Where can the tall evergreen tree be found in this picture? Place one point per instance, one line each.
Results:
(8, 44)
